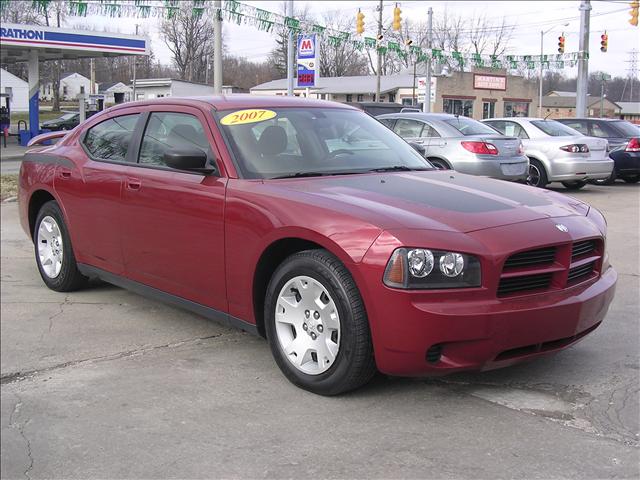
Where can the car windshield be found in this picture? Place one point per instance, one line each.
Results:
(554, 129)
(288, 142)
(468, 126)
(67, 116)
(627, 129)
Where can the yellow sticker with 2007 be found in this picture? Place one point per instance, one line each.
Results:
(242, 117)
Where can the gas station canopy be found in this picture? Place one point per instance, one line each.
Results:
(33, 43)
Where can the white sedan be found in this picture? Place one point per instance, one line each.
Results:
(557, 153)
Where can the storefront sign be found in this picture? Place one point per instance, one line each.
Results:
(307, 60)
(489, 82)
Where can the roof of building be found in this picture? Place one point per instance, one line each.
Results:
(560, 93)
(160, 82)
(68, 74)
(103, 87)
(7, 74)
(570, 102)
(629, 108)
(343, 85)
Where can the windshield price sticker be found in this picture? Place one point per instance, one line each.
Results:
(247, 116)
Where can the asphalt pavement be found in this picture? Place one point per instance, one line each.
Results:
(103, 383)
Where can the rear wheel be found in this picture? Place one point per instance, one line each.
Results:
(439, 164)
(54, 254)
(537, 174)
(575, 185)
(606, 181)
(317, 325)
(631, 178)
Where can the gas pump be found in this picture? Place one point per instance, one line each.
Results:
(5, 116)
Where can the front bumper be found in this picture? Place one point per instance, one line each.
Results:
(484, 335)
(514, 169)
(567, 169)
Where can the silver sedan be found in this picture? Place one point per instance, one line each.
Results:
(462, 144)
(557, 153)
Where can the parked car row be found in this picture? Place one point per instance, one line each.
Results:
(536, 150)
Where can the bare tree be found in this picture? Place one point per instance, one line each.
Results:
(54, 14)
(278, 56)
(488, 37)
(340, 58)
(189, 38)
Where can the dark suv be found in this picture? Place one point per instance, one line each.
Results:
(624, 143)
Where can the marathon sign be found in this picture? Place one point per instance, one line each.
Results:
(307, 61)
(34, 37)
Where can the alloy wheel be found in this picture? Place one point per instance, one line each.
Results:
(307, 325)
(534, 176)
(50, 247)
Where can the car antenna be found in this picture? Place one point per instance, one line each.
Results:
(545, 118)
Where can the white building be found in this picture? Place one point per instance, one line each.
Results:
(17, 90)
(71, 85)
(148, 88)
(115, 92)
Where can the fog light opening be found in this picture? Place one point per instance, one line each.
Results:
(434, 353)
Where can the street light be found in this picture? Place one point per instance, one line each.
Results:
(542, 34)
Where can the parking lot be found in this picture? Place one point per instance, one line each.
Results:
(103, 383)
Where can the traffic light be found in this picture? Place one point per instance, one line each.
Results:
(604, 42)
(380, 37)
(408, 42)
(561, 43)
(634, 13)
(397, 19)
(360, 23)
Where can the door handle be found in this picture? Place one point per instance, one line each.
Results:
(133, 184)
(65, 173)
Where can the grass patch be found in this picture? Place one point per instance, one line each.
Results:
(44, 115)
(8, 186)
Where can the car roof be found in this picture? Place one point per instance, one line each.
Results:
(419, 115)
(238, 101)
(591, 119)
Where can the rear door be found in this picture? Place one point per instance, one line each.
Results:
(173, 221)
(92, 194)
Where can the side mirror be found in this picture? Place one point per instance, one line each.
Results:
(189, 159)
(418, 148)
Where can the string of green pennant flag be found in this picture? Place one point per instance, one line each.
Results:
(267, 21)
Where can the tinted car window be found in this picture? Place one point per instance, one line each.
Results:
(554, 129)
(408, 128)
(468, 126)
(579, 126)
(168, 130)
(429, 132)
(626, 128)
(387, 122)
(109, 140)
(601, 130)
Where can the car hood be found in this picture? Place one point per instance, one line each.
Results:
(435, 200)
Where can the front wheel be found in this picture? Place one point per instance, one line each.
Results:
(439, 164)
(317, 325)
(54, 254)
(537, 174)
(575, 185)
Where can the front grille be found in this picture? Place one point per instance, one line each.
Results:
(582, 248)
(580, 273)
(510, 285)
(539, 256)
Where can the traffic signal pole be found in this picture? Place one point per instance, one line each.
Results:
(217, 49)
(426, 105)
(379, 65)
(290, 52)
(583, 60)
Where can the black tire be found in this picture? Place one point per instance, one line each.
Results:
(439, 164)
(631, 178)
(537, 174)
(69, 278)
(354, 364)
(610, 180)
(575, 185)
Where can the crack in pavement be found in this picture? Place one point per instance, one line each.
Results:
(13, 377)
(20, 428)
(57, 314)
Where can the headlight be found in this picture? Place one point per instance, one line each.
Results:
(422, 268)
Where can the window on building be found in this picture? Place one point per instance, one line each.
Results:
(323, 96)
(349, 98)
(360, 97)
(139, 96)
(488, 110)
(65, 90)
(168, 130)
(407, 101)
(516, 109)
(457, 106)
(392, 97)
(109, 140)
(81, 88)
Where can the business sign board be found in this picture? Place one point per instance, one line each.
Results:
(36, 37)
(307, 60)
(422, 83)
(489, 82)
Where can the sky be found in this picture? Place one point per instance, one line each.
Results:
(527, 17)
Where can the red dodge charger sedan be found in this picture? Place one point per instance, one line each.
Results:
(312, 224)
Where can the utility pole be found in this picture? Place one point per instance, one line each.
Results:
(541, 73)
(426, 105)
(290, 52)
(92, 85)
(583, 60)
(135, 62)
(379, 65)
(217, 48)
(602, 97)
